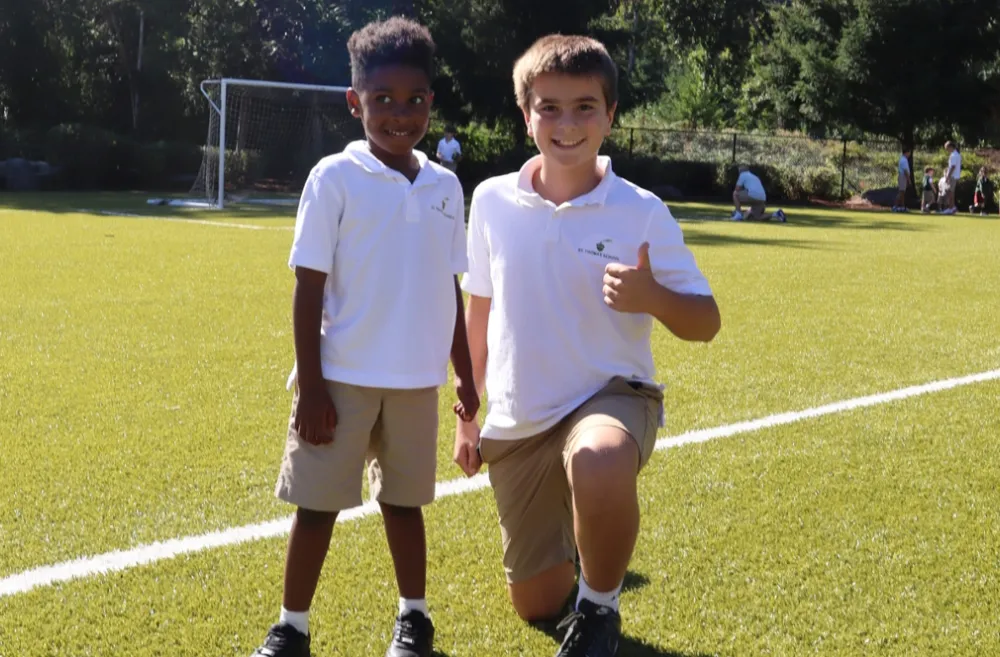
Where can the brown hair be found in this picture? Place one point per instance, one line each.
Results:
(572, 55)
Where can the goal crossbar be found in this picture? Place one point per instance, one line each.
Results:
(224, 84)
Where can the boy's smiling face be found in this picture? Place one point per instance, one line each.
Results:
(568, 118)
(394, 105)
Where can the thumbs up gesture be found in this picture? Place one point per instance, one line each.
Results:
(629, 289)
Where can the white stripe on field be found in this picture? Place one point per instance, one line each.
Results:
(124, 559)
(203, 222)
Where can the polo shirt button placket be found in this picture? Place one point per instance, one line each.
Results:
(552, 227)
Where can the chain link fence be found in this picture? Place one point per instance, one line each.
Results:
(793, 167)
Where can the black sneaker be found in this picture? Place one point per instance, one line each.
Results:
(591, 631)
(413, 636)
(284, 641)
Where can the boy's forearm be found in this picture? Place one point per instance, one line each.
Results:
(461, 361)
(307, 318)
(688, 316)
(477, 317)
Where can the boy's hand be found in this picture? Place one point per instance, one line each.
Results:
(630, 289)
(315, 416)
(466, 448)
(468, 400)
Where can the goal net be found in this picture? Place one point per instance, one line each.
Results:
(265, 137)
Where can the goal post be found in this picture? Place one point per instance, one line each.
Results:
(264, 137)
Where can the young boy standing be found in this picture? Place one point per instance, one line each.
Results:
(449, 151)
(568, 266)
(379, 240)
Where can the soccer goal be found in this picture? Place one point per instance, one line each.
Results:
(264, 138)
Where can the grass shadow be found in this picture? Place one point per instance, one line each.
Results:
(811, 217)
(714, 239)
(132, 202)
(633, 647)
(634, 581)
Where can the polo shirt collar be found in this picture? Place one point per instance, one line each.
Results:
(360, 152)
(527, 195)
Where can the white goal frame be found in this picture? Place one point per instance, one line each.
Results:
(220, 109)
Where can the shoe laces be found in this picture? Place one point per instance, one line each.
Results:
(575, 632)
(406, 631)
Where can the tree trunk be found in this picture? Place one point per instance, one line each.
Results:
(631, 43)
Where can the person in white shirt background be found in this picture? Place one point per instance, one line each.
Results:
(449, 151)
(905, 180)
(953, 173)
(750, 191)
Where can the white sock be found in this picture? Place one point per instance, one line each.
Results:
(297, 619)
(420, 605)
(609, 599)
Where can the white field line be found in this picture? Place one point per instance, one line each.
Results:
(202, 222)
(124, 559)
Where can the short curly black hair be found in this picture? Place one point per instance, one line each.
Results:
(395, 41)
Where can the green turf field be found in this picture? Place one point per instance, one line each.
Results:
(142, 399)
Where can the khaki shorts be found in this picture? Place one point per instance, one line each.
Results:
(393, 432)
(529, 480)
(929, 197)
(450, 166)
(757, 206)
(904, 182)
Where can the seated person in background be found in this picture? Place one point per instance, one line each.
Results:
(750, 190)
(984, 192)
(928, 190)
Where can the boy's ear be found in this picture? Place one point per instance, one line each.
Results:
(527, 121)
(354, 102)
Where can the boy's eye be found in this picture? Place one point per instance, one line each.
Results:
(383, 99)
(586, 107)
(418, 100)
(549, 108)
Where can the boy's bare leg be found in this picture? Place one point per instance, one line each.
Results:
(404, 530)
(602, 475)
(543, 597)
(308, 544)
(736, 202)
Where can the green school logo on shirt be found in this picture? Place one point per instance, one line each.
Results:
(600, 250)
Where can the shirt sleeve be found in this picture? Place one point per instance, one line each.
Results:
(459, 256)
(477, 280)
(317, 225)
(458, 148)
(673, 264)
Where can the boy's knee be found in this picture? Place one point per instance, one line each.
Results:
(543, 597)
(604, 471)
(310, 518)
(395, 511)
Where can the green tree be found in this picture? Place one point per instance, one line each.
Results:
(890, 67)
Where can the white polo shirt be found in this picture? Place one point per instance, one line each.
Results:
(753, 185)
(449, 149)
(552, 341)
(955, 161)
(391, 250)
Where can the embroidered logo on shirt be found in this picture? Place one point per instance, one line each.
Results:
(599, 250)
(442, 209)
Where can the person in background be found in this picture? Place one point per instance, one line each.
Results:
(905, 180)
(929, 193)
(984, 191)
(449, 151)
(750, 190)
(953, 173)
